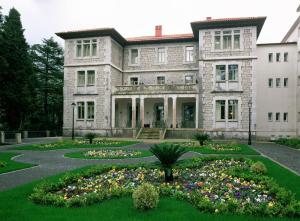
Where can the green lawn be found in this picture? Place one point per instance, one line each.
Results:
(144, 153)
(240, 149)
(11, 165)
(68, 144)
(14, 205)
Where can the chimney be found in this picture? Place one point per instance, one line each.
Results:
(158, 31)
(208, 18)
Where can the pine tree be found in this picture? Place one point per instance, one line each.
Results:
(48, 66)
(16, 77)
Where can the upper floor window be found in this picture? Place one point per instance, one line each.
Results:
(189, 54)
(90, 110)
(229, 39)
(80, 110)
(277, 57)
(161, 55)
(86, 78)
(285, 117)
(285, 57)
(134, 81)
(277, 82)
(231, 74)
(160, 80)
(270, 116)
(188, 79)
(285, 82)
(277, 116)
(86, 48)
(270, 57)
(270, 82)
(134, 56)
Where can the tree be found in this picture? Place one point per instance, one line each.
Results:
(16, 76)
(48, 66)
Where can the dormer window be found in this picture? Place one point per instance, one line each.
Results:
(86, 48)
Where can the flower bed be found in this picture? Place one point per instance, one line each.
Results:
(2, 164)
(99, 142)
(217, 186)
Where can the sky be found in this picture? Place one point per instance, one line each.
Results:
(43, 18)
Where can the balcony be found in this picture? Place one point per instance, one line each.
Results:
(156, 89)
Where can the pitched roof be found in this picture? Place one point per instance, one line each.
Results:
(228, 23)
(290, 31)
(163, 38)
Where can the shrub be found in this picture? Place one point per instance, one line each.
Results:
(145, 197)
(2, 164)
(168, 154)
(201, 138)
(259, 168)
(90, 137)
(291, 142)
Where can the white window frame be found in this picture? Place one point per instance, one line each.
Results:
(285, 82)
(133, 76)
(85, 77)
(279, 85)
(272, 82)
(270, 114)
(189, 75)
(87, 111)
(279, 58)
(165, 57)
(227, 82)
(91, 46)
(277, 113)
(77, 111)
(160, 76)
(192, 51)
(130, 57)
(285, 57)
(85, 119)
(240, 29)
(272, 57)
(285, 117)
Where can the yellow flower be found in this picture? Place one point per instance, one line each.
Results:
(216, 210)
(270, 204)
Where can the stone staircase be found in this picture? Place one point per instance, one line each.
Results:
(149, 133)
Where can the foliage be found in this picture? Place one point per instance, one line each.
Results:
(168, 154)
(2, 164)
(258, 167)
(201, 138)
(90, 137)
(213, 185)
(145, 197)
(291, 142)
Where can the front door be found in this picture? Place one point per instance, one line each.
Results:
(159, 115)
(129, 115)
(188, 118)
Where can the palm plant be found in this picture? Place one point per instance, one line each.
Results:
(168, 154)
(201, 138)
(90, 137)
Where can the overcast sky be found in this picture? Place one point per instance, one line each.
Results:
(42, 18)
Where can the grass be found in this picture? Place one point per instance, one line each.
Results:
(241, 149)
(14, 205)
(68, 144)
(11, 165)
(291, 142)
(144, 153)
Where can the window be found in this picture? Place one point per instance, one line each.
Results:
(270, 57)
(298, 81)
(285, 82)
(86, 48)
(80, 110)
(217, 40)
(134, 81)
(90, 110)
(285, 57)
(277, 82)
(188, 79)
(220, 73)
(134, 56)
(270, 116)
(232, 72)
(236, 39)
(90, 78)
(220, 110)
(227, 40)
(270, 82)
(81, 78)
(189, 54)
(285, 117)
(160, 80)
(161, 55)
(232, 109)
(277, 57)
(277, 116)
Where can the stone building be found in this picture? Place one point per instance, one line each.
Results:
(175, 85)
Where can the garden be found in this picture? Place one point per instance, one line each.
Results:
(8, 165)
(291, 142)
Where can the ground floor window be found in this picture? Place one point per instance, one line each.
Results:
(80, 110)
(90, 110)
(220, 110)
(232, 110)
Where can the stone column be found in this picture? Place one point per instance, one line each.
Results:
(133, 111)
(174, 112)
(25, 134)
(18, 137)
(197, 112)
(113, 112)
(166, 110)
(2, 137)
(142, 111)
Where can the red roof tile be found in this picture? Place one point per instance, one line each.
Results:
(163, 37)
(227, 19)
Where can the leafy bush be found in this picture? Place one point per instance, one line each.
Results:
(2, 164)
(259, 168)
(201, 138)
(168, 154)
(291, 142)
(90, 137)
(145, 197)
